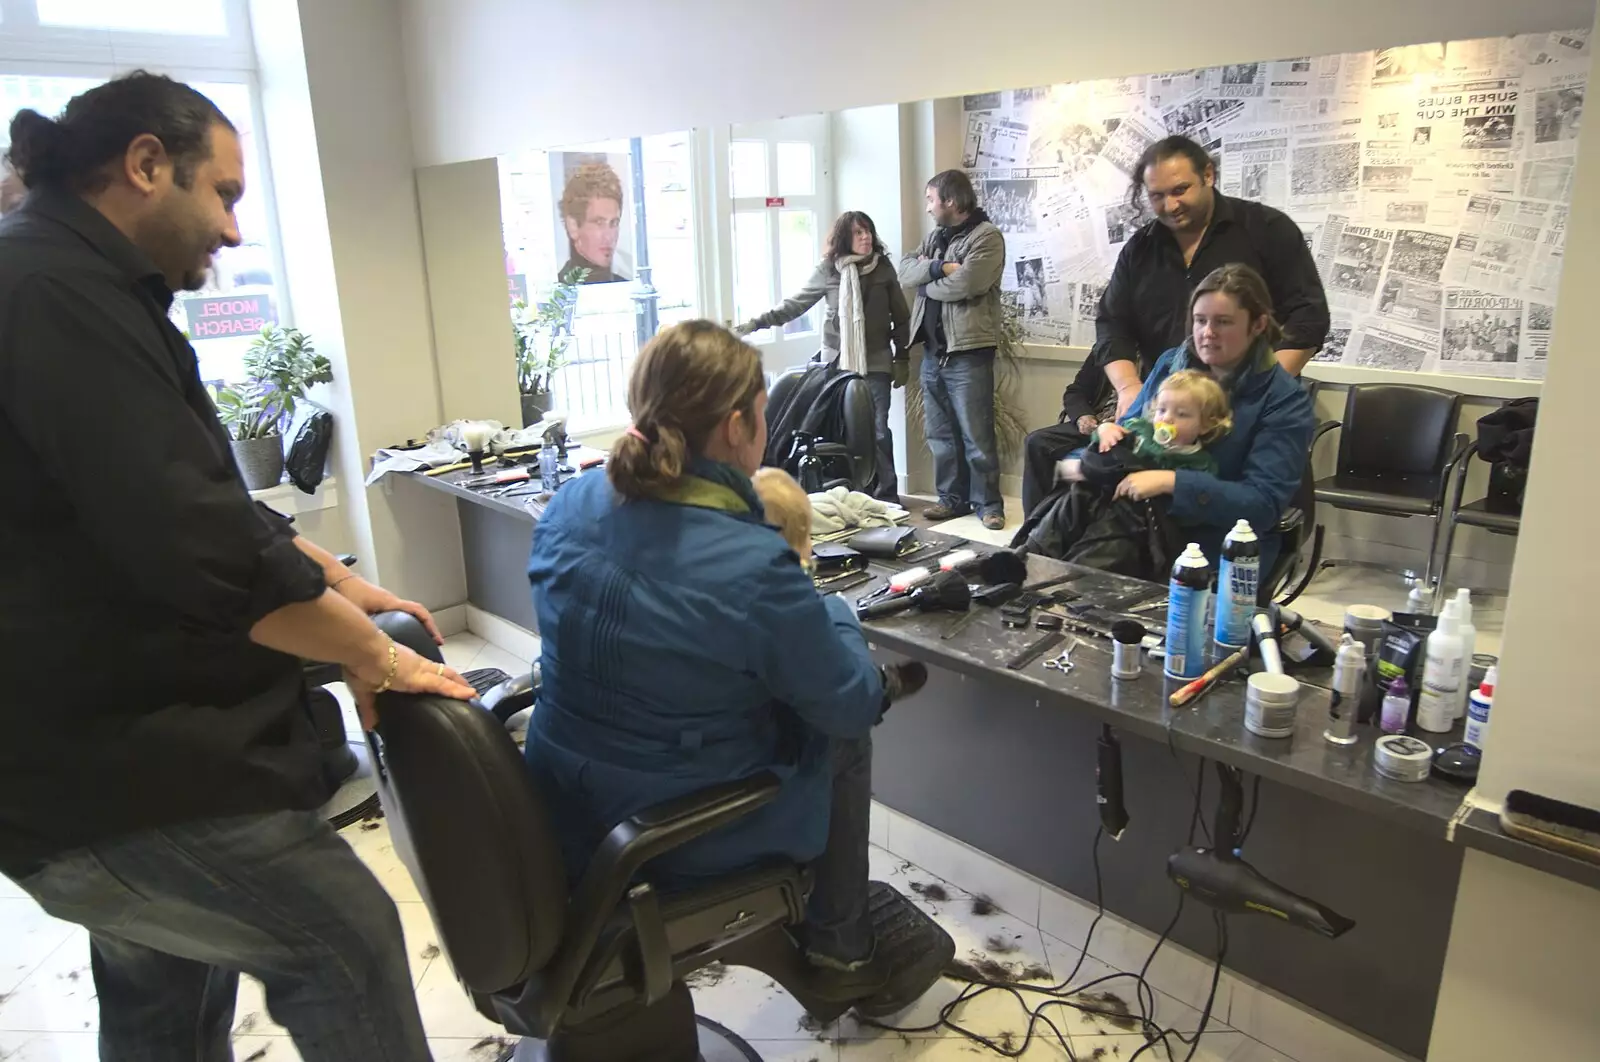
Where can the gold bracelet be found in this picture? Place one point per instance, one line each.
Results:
(394, 668)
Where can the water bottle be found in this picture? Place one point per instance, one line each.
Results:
(1187, 601)
(1238, 577)
(549, 469)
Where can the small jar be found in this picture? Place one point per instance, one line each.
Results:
(1269, 704)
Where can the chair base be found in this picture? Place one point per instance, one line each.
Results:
(357, 796)
(669, 1031)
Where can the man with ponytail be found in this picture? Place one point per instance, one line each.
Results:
(159, 774)
(684, 646)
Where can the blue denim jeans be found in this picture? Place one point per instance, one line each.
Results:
(836, 917)
(881, 384)
(958, 420)
(176, 914)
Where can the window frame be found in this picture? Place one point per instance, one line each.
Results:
(30, 50)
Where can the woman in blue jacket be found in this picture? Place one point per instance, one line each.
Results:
(1262, 461)
(684, 646)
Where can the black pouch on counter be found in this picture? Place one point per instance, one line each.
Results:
(885, 543)
(1401, 652)
(834, 559)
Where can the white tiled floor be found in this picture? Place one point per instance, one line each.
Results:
(971, 527)
(1334, 589)
(48, 1012)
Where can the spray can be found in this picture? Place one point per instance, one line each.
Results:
(1478, 706)
(1349, 678)
(1238, 576)
(1443, 673)
(1187, 600)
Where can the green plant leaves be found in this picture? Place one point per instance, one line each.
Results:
(280, 366)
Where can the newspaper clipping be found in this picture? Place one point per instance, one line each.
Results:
(1433, 182)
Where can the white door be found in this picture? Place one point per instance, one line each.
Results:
(777, 197)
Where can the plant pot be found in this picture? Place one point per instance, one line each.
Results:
(534, 407)
(260, 461)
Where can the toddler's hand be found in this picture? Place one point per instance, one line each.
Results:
(1108, 436)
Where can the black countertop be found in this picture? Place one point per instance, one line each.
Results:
(1212, 726)
(528, 507)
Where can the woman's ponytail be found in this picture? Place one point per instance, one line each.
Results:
(687, 381)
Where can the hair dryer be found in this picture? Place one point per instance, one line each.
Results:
(945, 592)
(1218, 878)
(1001, 566)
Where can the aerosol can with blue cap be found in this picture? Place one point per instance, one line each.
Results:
(1188, 599)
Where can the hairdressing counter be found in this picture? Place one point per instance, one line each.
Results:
(1004, 760)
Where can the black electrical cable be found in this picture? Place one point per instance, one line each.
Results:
(1255, 805)
(1061, 996)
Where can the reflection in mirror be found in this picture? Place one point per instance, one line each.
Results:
(600, 253)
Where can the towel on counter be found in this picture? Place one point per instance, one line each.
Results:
(840, 508)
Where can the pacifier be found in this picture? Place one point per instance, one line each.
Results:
(1164, 434)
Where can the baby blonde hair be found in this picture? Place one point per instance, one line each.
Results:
(787, 506)
(1216, 419)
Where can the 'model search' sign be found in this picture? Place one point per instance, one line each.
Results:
(232, 315)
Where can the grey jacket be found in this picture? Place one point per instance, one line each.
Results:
(970, 297)
(883, 301)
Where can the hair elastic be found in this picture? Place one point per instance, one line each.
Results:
(637, 434)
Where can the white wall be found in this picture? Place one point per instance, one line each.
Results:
(337, 118)
(465, 255)
(492, 75)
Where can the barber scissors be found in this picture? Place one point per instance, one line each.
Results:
(1063, 663)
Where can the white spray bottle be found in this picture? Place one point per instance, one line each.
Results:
(1443, 674)
(1469, 643)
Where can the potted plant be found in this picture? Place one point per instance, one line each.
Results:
(280, 366)
(542, 337)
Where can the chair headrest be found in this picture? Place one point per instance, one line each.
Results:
(408, 631)
(472, 827)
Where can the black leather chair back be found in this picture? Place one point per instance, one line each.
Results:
(857, 447)
(1397, 429)
(455, 788)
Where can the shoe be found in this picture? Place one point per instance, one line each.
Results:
(942, 512)
(835, 981)
(995, 521)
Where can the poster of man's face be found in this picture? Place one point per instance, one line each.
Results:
(592, 210)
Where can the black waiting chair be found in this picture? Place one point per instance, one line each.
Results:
(851, 460)
(1397, 446)
(593, 972)
(1499, 511)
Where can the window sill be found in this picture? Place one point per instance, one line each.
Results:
(290, 500)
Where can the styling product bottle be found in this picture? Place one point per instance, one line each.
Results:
(1469, 640)
(1187, 601)
(1396, 707)
(1349, 678)
(1442, 674)
(1418, 600)
(1238, 576)
(1478, 706)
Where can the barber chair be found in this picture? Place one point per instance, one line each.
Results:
(850, 461)
(1298, 522)
(596, 971)
(346, 761)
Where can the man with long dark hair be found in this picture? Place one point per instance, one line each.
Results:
(158, 768)
(1144, 311)
(957, 319)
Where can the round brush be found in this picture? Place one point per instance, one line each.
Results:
(945, 592)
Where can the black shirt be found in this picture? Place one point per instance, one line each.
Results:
(1144, 311)
(135, 563)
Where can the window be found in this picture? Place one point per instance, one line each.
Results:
(52, 50)
(199, 17)
(777, 198)
(623, 248)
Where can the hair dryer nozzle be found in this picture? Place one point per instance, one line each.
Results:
(1232, 885)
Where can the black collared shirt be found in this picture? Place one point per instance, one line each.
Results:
(134, 562)
(1144, 311)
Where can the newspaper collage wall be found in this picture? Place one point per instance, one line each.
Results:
(1432, 182)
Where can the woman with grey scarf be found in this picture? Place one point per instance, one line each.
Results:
(867, 326)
